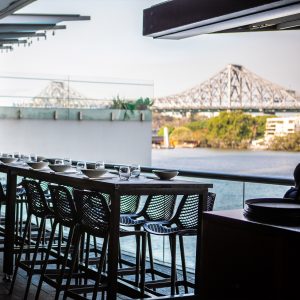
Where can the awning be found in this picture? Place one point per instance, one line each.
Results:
(18, 28)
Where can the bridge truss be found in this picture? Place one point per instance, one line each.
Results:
(234, 88)
(59, 94)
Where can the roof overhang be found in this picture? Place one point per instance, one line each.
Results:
(177, 19)
(8, 7)
(17, 28)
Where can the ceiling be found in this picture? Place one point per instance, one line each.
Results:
(16, 29)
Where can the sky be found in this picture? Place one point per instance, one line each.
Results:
(111, 45)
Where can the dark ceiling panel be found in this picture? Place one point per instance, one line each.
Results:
(183, 18)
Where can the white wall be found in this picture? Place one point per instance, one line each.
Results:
(112, 141)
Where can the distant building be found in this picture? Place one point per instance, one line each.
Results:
(281, 126)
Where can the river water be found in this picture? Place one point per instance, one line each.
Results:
(261, 163)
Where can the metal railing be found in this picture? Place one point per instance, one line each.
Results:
(231, 189)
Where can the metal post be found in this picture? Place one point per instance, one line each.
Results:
(9, 226)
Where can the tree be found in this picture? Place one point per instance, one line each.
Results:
(290, 142)
(181, 135)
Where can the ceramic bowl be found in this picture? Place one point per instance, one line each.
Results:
(165, 174)
(59, 168)
(38, 165)
(8, 160)
(93, 173)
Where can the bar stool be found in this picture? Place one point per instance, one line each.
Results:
(2, 201)
(184, 223)
(65, 215)
(38, 207)
(156, 208)
(20, 200)
(94, 216)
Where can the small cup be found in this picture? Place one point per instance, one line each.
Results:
(135, 170)
(17, 155)
(33, 157)
(99, 165)
(68, 161)
(25, 158)
(124, 172)
(59, 162)
(80, 165)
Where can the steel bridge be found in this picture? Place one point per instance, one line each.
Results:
(233, 88)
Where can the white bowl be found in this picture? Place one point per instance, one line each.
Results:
(94, 173)
(165, 174)
(38, 165)
(59, 168)
(8, 160)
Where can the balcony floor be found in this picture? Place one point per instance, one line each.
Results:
(48, 293)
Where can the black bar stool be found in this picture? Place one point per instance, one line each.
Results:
(129, 205)
(20, 200)
(65, 215)
(93, 214)
(38, 207)
(156, 208)
(184, 223)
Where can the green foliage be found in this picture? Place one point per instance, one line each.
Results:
(181, 135)
(139, 104)
(197, 125)
(230, 130)
(261, 126)
(227, 130)
(290, 142)
(143, 103)
(119, 103)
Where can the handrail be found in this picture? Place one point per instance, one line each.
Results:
(218, 175)
(222, 176)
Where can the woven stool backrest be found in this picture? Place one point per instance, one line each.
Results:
(129, 204)
(37, 204)
(63, 205)
(2, 195)
(93, 212)
(187, 213)
(159, 207)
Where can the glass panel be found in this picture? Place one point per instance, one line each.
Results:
(259, 190)
(65, 91)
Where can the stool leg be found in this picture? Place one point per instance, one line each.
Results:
(87, 254)
(173, 263)
(95, 246)
(100, 267)
(17, 218)
(20, 253)
(143, 263)
(120, 257)
(151, 257)
(64, 263)
(46, 261)
(138, 257)
(183, 263)
(73, 262)
(36, 250)
(21, 216)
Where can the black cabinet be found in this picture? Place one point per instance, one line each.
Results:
(242, 259)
